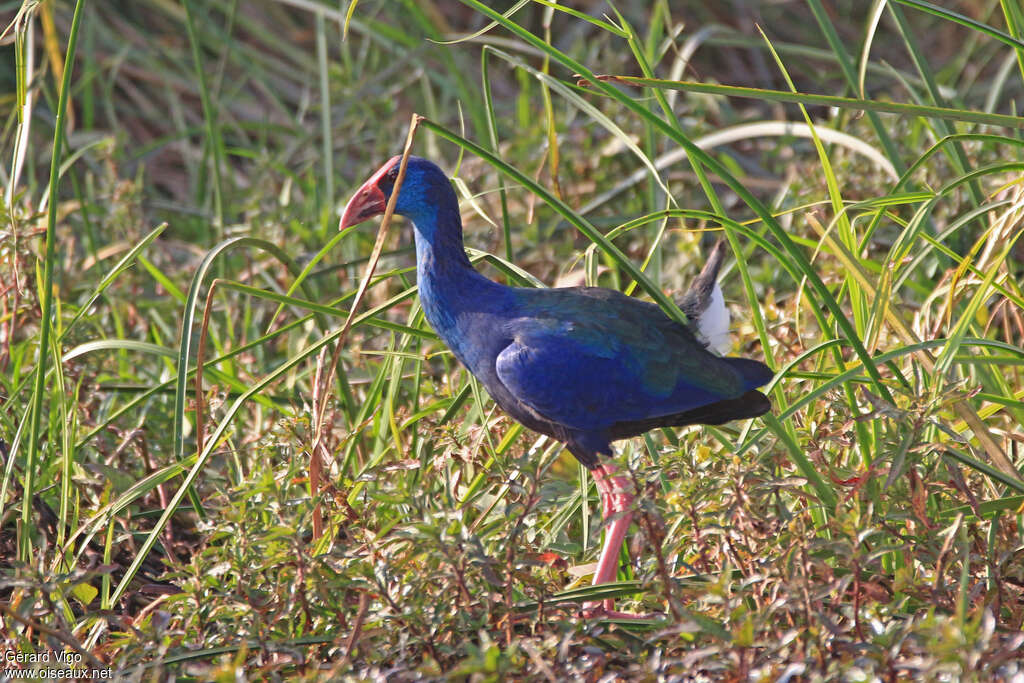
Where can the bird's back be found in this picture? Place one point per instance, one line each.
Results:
(594, 365)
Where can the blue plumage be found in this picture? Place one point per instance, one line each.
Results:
(584, 365)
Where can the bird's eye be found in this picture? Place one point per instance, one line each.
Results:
(387, 183)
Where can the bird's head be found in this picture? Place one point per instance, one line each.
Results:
(422, 188)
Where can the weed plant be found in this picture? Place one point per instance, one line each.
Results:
(198, 481)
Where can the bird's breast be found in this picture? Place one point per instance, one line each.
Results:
(465, 317)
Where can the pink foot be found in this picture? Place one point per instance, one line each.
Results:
(616, 507)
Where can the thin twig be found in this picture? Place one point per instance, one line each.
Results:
(53, 633)
(320, 401)
(357, 627)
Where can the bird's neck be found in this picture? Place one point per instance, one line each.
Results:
(453, 294)
(440, 253)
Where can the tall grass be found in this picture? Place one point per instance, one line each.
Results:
(174, 291)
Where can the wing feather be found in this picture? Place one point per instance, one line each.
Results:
(587, 358)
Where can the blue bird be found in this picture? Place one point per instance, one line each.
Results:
(583, 365)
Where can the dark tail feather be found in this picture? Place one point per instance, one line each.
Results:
(698, 296)
(750, 404)
(754, 372)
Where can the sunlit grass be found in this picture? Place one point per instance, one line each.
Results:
(870, 526)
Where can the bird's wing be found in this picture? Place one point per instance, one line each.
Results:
(586, 358)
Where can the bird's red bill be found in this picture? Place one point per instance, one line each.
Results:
(368, 201)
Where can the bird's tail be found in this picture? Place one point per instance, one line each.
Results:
(754, 372)
(750, 404)
(704, 304)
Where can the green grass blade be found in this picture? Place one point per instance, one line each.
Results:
(210, 116)
(46, 299)
(1013, 13)
(108, 279)
(580, 223)
(963, 20)
(696, 153)
(808, 99)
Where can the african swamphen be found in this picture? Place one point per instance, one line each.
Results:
(584, 365)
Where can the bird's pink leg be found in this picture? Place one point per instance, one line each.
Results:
(616, 501)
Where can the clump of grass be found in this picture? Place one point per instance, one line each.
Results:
(870, 527)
